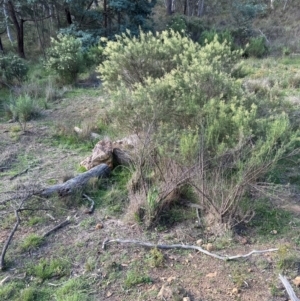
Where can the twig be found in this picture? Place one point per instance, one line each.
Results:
(19, 174)
(288, 288)
(5, 247)
(177, 246)
(62, 224)
(92, 207)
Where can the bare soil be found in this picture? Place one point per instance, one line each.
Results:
(180, 274)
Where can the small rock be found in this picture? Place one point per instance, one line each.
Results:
(209, 247)
(108, 294)
(165, 293)
(170, 279)
(99, 226)
(186, 299)
(235, 291)
(199, 242)
(296, 281)
(211, 275)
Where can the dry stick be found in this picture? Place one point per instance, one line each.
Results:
(189, 247)
(2, 258)
(62, 224)
(288, 288)
(92, 208)
(19, 174)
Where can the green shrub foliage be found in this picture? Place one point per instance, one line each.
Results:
(12, 68)
(256, 47)
(191, 109)
(65, 57)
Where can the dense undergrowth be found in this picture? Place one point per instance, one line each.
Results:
(217, 127)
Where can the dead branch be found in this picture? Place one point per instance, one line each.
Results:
(92, 207)
(64, 189)
(5, 247)
(288, 288)
(189, 247)
(19, 174)
(61, 225)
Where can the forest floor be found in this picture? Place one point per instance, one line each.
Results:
(71, 264)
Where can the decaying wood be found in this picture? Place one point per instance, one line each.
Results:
(62, 224)
(288, 288)
(121, 157)
(78, 182)
(189, 247)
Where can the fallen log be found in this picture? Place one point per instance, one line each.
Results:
(78, 182)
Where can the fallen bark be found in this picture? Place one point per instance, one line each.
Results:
(78, 182)
(190, 247)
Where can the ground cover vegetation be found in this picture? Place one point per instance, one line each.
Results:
(211, 90)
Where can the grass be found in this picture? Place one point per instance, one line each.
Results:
(111, 193)
(74, 289)
(11, 290)
(134, 277)
(49, 268)
(270, 220)
(32, 241)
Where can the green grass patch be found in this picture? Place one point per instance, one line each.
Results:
(32, 241)
(47, 269)
(135, 277)
(84, 92)
(73, 290)
(11, 290)
(270, 220)
(111, 193)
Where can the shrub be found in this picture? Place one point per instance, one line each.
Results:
(65, 57)
(208, 36)
(12, 68)
(256, 47)
(22, 108)
(131, 60)
(197, 126)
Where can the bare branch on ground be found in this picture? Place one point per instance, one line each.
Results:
(189, 247)
(5, 247)
(92, 207)
(19, 174)
(61, 225)
(288, 288)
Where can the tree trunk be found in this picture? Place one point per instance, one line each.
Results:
(68, 16)
(105, 17)
(1, 46)
(19, 26)
(169, 7)
(6, 23)
(200, 8)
